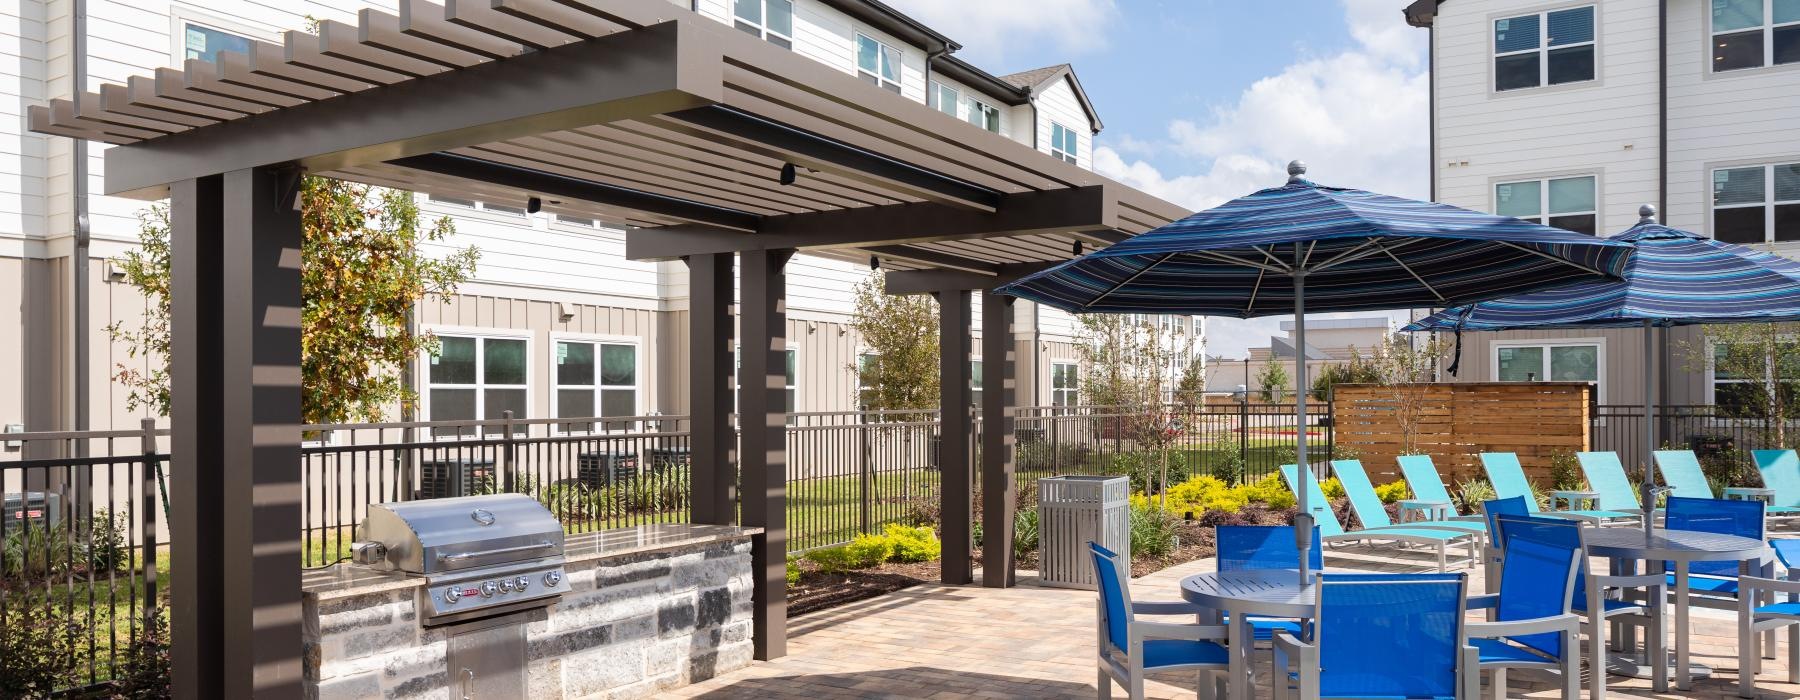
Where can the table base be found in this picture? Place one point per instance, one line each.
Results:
(1637, 666)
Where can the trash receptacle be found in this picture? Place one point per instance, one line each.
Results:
(1075, 510)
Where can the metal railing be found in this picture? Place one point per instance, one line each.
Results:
(1721, 438)
(1238, 444)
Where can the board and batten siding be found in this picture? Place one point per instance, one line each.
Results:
(1606, 127)
(1622, 352)
(1056, 102)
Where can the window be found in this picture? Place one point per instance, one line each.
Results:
(205, 43)
(1566, 203)
(984, 115)
(1063, 142)
(1546, 48)
(878, 63)
(581, 221)
(975, 383)
(865, 395)
(1738, 393)
(1065, 384)
(947, 98)
(788, 404)
(766, 19)
(481, 206)
(476, 377)
(1756, 204)
(1754, 33)
(1572, 361)
(595, 379)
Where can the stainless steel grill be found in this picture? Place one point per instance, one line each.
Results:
(480, 555)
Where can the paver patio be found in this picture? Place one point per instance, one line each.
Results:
(936, 641)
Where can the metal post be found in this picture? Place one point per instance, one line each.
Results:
(709, 387)
(999, 358)
(507, 483)
(762, 417)
(1303, 521)
(955, 432)
(147, 518)
(1244, 431)
(1650, 493)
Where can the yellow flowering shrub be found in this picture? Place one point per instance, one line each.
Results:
(1333, 488)
(1393, 491)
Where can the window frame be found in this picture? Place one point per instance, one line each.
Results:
(975, 106)
(793, 386)
(596, 339)
(937, 98)
(1599, 344)
(510, 213)
(762, 25)
(880, 81)
(1071, 157)
(1543, 182)
(181, 15)
(1712, 382)
(1766, 29)
(976, 380)
(1768, 203)
(1055, 391)
(1542, 49)
(482, 335)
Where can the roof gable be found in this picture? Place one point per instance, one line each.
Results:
(1035, 80)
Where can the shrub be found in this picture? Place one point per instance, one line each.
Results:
(37, 651)
(1152, 532)
(1333, 488)
(1393, 491)
(1471, 494)
(1565, 472)
(914, 544)
(1025, 532)
(146, 670)
(1271, 491)
(869, 550)
(793, 570)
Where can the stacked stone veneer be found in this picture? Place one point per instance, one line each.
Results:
(632, 626)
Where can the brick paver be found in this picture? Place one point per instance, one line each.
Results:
(1031, 641)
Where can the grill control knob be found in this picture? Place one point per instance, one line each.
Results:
(488, 589)
(522, 582)
(506, 585)
(552, 578)
(451, 595)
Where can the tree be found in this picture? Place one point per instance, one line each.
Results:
(1190, 391)
(1357, 371)
(1126, 356)
(361, 272)
(1406, 367)
(1764, 359)
(898, 369)
(1273, 379)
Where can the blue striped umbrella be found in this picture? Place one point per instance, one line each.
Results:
(1304, 247)
(1677, 278)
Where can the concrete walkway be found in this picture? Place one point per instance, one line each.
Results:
(936, 641)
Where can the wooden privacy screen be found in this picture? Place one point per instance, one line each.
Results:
(1455, 423)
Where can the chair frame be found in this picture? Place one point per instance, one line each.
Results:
(1567, 623)
(1305, 655)
(1407, 534)
(1126, 666)
(1359, 484)
(1611, 517)
(1751, 649)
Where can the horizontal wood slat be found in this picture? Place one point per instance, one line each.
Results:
(1455, 423)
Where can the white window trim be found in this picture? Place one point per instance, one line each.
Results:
(976, 106)
(479, 210)
(1544, 195)
(1767, 28)
(899, 81)
(1050, 380)
(640, 369)
(1547, 343)
(1767, 204)
(1544, 48)
(182, 15)
(762, 26)
(937, 98)
(1055, 148)
(425, 384)
(1711, 396)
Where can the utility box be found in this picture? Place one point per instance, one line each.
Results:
(1076, 510)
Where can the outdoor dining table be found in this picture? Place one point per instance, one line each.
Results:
(1624, 547)
(1241, 595)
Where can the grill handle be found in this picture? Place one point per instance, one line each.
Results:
(453, 558)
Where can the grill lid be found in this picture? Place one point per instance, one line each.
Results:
(450, 534)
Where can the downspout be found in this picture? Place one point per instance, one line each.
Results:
(1662, 173)
(83, 236)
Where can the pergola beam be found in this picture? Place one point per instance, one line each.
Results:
(933, 281)
(564, 187)
(632, 74)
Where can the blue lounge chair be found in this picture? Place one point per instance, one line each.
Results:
(1756, 615)
(1680, 470)
(1372, 512)
(1780, 470)
(1365, 625)
(1333, 531)
(1532, 623)
(1130, 647)
(1243, 547)
(1508, 478)
(1426, 483)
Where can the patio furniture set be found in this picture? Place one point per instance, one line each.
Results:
(1341, 634)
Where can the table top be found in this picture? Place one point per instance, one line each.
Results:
(1273, 592)
(1672, 545)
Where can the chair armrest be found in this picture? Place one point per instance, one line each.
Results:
(1749, 584)
(1165, 630)
(1639, 581)
(1165, 607)
(1512, 628)
(1484, 601)
(1287, 646)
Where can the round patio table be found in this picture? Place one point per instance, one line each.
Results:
(1246, 593)
(1626, 546)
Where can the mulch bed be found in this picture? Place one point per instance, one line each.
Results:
(819, 590)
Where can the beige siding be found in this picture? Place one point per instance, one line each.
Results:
(1623, 372)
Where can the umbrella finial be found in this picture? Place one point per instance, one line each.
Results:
(1647, 214)
(1296, 169)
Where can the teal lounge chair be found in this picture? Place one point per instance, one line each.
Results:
(1780, 470)
(1681, 471)
(1606, 476)
(1508, 478)
(1331, 530)
(1426, 484)
(1373, 513)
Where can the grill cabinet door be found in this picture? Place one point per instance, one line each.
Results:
(488, 664)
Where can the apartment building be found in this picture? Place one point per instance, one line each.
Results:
(556, 322)
(1328, 342)
(1576, 113)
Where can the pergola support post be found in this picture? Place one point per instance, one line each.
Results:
(235, 348)
(999, 399)
(709, 388)
(955, 441)
(762, 410)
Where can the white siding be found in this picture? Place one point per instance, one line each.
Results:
(828, 36)
(1007, 116)
(1056, 102)
(1605, 127)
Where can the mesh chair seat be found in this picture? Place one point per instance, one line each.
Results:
(1709, 585)
(1166, 653)
(1500, 651)
(1781, 609)
(1263, 629)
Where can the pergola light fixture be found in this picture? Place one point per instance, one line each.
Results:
(534, 205)
(787, 173)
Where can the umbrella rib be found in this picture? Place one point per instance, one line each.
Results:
(1126, 281)
(1310, 247)
(1279, 265)
(1235, 260)
(1253, 291)
(1548, 256)
(1409, 270)
(1368, 248)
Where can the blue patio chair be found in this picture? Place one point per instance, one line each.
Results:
(1243, 547)
(1426, 483)
(1331, 530)
(1130, 647)
(1713, 579)
(1381, 636)
(1495, 549)
(1531, 619)
(1508, 478)
(1757, 614)
(1780, 471)
(1680, 470)
(1372, 512)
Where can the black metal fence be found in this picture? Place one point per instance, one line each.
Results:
(1721, 439)
(1239, 443)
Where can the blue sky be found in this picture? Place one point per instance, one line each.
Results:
(1206, 100)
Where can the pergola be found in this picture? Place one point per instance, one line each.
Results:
(705, 142)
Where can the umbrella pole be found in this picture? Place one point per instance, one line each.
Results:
(1649, 490)
(1303, 521)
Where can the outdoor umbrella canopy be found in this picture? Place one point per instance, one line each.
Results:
(1305, 247)
(1676, 278)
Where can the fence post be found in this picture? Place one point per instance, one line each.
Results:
(1330, 424)
(147, 518)
(506, 453)
(1244, 439)
(866, 482)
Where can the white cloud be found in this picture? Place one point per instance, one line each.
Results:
(991, 27)
(1359, 118)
